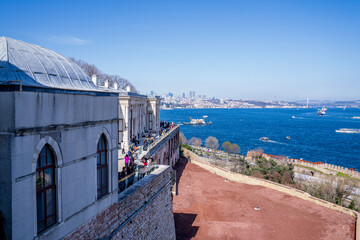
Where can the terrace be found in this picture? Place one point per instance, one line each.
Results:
(142, 161)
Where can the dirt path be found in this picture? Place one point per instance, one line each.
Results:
(208, 207)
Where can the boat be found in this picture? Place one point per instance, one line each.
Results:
(347, 130)
(288, 137)
(322, 111)
(197, 121)
(264, 139)
(356, 117)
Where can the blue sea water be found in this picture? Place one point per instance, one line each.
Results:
(313, 138)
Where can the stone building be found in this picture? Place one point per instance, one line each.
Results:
(138, 115)
(59, 140)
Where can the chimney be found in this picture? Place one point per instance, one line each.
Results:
(94, 79)
(128, 88)
(115, 85)
(106, 83)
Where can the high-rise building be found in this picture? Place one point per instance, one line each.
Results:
(151, 93)
(184, 95)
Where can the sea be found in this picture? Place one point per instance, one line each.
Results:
(312, 137)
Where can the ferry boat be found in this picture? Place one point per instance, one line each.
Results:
(348, 130)
(356, 117)
(322, 111)
(264, 139)
(197, 121)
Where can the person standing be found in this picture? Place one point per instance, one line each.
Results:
(126, 161)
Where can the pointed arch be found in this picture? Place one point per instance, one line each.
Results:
(49, 143)
(102, 167)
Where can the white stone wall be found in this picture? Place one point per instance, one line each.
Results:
(140, 106)
(72, 125)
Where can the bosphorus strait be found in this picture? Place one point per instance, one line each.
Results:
(312, 137)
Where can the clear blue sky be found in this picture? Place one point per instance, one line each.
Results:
(238, 49)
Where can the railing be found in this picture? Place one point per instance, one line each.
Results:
(140, 172)
(167, 133)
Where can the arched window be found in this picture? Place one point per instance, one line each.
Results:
(45, 189)
(102, 167)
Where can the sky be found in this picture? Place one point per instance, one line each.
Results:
(283, 50)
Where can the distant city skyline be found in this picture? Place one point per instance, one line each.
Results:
(288, 50)
(203, 96)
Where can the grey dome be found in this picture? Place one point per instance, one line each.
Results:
(39, 67)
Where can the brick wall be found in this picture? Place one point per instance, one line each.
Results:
(144, 211)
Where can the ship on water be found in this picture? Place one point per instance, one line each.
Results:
(322, 111)
(200, 121)
(348, 130)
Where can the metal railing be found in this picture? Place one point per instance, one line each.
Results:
(139, 173)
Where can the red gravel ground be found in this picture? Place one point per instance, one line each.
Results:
(208, 207)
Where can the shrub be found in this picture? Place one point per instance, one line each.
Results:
(287, 179)
(274, 176)
(257, 174)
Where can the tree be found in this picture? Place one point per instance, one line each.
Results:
(226, 146)
(195, 141)
(274, 176)
(235, 149)
(183, 139)
(344, 187)
(91, 69)
(257, 174)
(212, 143)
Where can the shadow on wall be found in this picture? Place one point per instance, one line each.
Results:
(183, 225)
(179, 168)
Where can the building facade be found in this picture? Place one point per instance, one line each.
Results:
(138, 115)
(60, 136)
(58, 150)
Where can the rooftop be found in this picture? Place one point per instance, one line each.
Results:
(36, 66)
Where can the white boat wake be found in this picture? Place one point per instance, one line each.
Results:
(272, 141)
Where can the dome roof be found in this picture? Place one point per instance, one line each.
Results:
(39, 67)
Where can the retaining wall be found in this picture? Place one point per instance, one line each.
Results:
(324, 167)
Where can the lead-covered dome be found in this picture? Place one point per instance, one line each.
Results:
(39, 67)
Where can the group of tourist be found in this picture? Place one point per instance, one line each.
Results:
(126, 171)
(129, 158)
(147, 161)
(130, 165)
(135, 140)
(149, 139)
(165, 127)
